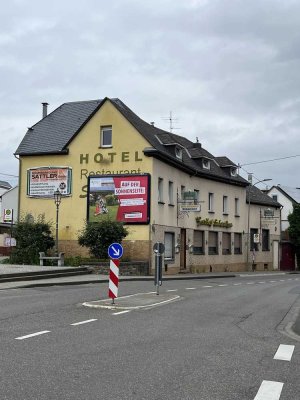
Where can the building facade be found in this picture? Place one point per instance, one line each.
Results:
(99, 153)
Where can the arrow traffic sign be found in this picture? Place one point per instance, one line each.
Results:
(115, 251)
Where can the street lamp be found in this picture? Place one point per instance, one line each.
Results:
(57, 200)
(249, 203)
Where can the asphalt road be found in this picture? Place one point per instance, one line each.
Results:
(217, 342)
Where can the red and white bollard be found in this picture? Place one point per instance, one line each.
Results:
(113, 280)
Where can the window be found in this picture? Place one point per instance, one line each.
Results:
(233, 171)
(226, 243)
(182, 190)
(160, 190)
(237, 243)
(106, 136)
(197, 196)
(178, 152)
(236, 207)
(265, 240)
(253, 246)
(275, 197)
(212, 243)
(210, 202)
(225, 204)
(169, 245)
(205, 163)
(171, 191)
(198, 247)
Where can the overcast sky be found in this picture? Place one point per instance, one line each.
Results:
(228, 70)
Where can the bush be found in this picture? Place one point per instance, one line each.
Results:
(31, 237)
(99, 236)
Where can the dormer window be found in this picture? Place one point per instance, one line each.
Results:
(178, 152)
(205, 163)
(233, 171)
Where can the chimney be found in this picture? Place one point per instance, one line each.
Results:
(45, 110)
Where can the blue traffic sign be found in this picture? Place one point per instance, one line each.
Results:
(115, 251)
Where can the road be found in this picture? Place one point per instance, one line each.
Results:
(217, 342)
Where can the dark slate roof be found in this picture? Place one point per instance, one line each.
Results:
(53, 134)
(225, 162)
(5, 185)
(258, 197)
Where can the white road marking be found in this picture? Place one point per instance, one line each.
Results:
(222, 285)
(269, 391)
(284, 352)
(237, 284)
(282, 280)
(290, 279)
(296, 279)
(84, 322)
(121, 312)
(268, 274)
(207, 286)
(262, 282)
(272, 281)
(31, 335)
(250, 283)
(172, 290)
(190, 288)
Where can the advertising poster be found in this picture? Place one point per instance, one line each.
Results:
(43, 181)
(124, 198)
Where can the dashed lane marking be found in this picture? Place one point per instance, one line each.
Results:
(237, 284)
(250, 283)
(172, 290)
(207, 286)
(121, 312)
(190, 288)
(284, 352)
(269, 390)
(222, 285)
(84, 322)
(31, 335)
(262, 282)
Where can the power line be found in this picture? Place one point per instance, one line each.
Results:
(274, 159)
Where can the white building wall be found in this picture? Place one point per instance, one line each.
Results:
(287, 207)
(10, 200)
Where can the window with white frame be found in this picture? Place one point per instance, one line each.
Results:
(106, 136)
(169, 242)
(226, 243)
(225, 204)
(210, 202)
(171, 193)
(205, 163)
(236, 207)
(178, 152)
(213, 243)
(160, 190)
(198, 242)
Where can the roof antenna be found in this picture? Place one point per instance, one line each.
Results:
(171, 119)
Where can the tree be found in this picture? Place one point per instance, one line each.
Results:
(100, 235)
(31, 237)
(294, 230)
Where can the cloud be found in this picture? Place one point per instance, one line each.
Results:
(229, 70)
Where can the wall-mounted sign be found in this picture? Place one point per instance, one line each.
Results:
(43, 181)
(8, 215)
(124, 198)
(189, 207)
(10, 242)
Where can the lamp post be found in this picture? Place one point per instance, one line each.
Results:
(57, 201)
(249, 203)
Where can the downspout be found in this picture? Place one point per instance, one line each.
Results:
(19, 187)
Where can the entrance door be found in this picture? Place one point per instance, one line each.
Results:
(182, 249)
(287, 257)
(275, 254)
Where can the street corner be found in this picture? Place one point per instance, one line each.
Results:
(134, 301)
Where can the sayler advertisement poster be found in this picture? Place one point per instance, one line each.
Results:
(123, 198)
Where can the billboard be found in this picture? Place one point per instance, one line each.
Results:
(123, 198)
(43, 181)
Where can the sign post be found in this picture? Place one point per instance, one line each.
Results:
(115, 252)
(159, 249)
